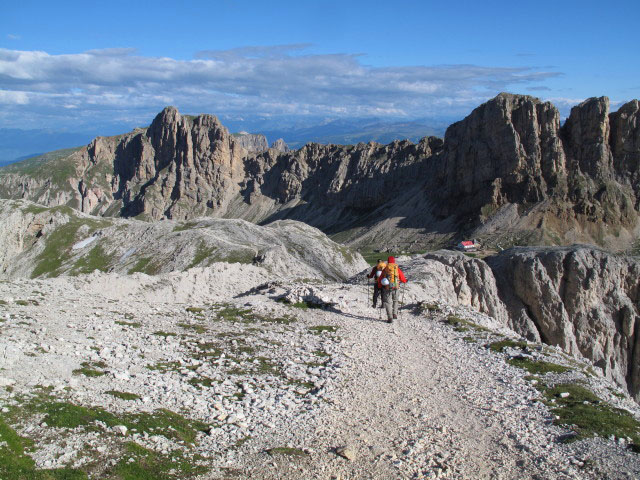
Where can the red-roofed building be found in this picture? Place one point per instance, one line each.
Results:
(467, 246)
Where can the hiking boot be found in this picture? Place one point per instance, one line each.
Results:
(394, 317)
(374, 305)
(389, 321)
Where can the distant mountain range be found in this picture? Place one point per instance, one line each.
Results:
(17, 144)
(350, 132)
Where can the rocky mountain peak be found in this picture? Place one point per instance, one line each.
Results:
(280, 145)
(587, 134)
(578, 182)
(507, 150)
(168, 116)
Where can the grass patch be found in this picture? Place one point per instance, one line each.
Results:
(195, 327)
(184, 226)
(202, 253)
(244, 315)
(266, 366)
(537, 367)
(306, 305)
(160, 422)
(237, 256)
(208, 350)
(372, 257)
(89, 369)
(58, 246)
(462, 325)
(320, 329)
(149, 465)
(203, 382)
(263, 366)
(145, 265)
(25, 303)
(16, 464)
(161, 333)
(616, 393)
(283, 320)
(301, 384)
(587, 415)
(96, 259)
(129, 324)
(430, 308)
(195, 310)
(123, 395)
(234, 314)
(241, 441)
(501, 345)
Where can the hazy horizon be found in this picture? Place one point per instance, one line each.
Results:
(76, 67)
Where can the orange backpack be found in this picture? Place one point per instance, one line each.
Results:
(392, 275)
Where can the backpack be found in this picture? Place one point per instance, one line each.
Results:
(379, 268)
(392, 275)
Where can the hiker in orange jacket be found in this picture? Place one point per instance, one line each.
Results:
(375, 273)
(389, 281)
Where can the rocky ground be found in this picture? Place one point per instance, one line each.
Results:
(170, 377)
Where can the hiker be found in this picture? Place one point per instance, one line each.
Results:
(376, 272)
(390, 279)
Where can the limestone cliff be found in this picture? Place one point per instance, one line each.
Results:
(581, 299)
(506, 151)
(509, 173)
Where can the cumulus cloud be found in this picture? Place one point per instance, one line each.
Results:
(250, 81)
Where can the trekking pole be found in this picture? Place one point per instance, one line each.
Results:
(368, 296)
(402, 298)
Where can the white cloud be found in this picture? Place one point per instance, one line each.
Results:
(8, 97)
(11, 36)
(249, 81)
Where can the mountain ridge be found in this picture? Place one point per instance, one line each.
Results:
(508, 173)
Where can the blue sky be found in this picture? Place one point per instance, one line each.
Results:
(74, 65)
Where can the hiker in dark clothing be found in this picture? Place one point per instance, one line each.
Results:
(375, 274)
(390, 279)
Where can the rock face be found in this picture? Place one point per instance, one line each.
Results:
(251, 142)
(453, 277)
(506, 151)
(508, 172)
(582, 299)
(512, 150)
(326, 184)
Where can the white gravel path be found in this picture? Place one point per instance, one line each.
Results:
(408, 400)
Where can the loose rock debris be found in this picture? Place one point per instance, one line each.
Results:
(108, 382)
